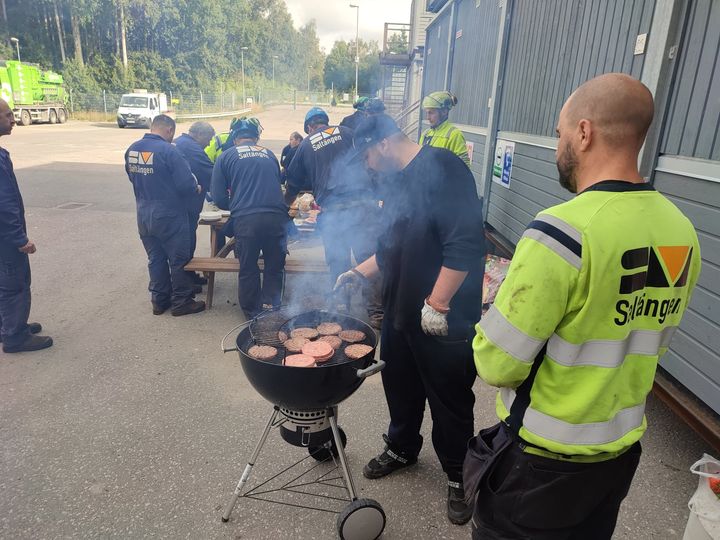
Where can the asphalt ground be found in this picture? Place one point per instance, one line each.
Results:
(136, 426)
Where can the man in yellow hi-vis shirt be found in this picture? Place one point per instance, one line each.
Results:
(441, 133)
(595, 291)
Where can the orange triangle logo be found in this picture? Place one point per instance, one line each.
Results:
(674, 258)
(146, 157)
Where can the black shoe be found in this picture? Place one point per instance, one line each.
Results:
(197, 279)
(196, 289)
(387, 462)
(458, 511)
(159, 309)
(194, 306)
(32, 343)
(34, 327)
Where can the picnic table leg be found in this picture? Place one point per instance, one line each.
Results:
(210, 289)
(213, 240)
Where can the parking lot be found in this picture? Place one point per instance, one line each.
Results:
(134, 425)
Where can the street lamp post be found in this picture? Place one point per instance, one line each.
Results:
(357, 46)
(242, 56)
(275, 57)
(16, 41)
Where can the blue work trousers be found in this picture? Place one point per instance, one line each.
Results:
(166, 237)
(14, 295)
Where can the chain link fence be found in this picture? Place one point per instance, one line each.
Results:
(105, 104)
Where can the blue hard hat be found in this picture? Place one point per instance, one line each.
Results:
(246, 128)
(315, 112)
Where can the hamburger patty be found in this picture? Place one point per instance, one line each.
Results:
(295, 345)
(307, 333)
(352, 336)
(334, 341)
(357, 351)
(321, 351)
(299, 360)
(329, 328)
(262, 352)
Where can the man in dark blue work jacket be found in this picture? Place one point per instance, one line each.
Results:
(251, 175)
(15, 247)
(163, 182)
(192, 147)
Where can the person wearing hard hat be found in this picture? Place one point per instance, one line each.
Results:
(351, 121)
(350, 212)
(374, 106)
(441, 133)
(220, 142)
(246, 181)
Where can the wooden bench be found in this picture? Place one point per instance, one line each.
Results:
(210, 265)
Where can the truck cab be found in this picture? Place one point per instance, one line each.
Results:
(140, 108)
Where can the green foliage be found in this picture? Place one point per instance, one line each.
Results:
(173, 45)
(340, 67)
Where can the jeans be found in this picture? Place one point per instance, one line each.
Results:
(14, 295)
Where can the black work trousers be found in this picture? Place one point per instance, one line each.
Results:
(525, 496)
(440, 370)
(14, 295)
(264, 232)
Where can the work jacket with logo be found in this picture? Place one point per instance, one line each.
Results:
(447, 136)
(594, 294)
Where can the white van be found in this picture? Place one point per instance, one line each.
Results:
(140, 108)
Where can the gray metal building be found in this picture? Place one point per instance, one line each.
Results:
(512, 64)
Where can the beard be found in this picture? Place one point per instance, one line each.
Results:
(567, 164)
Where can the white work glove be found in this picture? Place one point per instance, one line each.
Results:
(350, 280)
(433, 322)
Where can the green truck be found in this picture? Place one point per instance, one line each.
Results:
(34, 95)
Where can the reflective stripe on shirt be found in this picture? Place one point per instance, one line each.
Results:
(508, 337)
(558, 236)
(608, 353)
(594, 433)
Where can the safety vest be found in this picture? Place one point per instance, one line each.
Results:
(447, 136)
(595, 291)
(216, 146)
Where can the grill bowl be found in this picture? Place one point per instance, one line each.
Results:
(307, 389)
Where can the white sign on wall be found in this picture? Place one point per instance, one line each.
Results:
(502, 166)
(470, 147)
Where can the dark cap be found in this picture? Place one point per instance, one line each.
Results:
(371, 131)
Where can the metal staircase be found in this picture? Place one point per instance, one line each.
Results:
(395, 62)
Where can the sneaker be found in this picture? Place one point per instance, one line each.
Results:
(193, 306)
(32, 343)
(458, 511)
(160, 309)
(387, 462)
(34, 327)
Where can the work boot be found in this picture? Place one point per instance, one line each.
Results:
(387, 462)
(197, 279)
(34, 327)
(194, 306)
(160, 309)
(458, 511)
(32, 343)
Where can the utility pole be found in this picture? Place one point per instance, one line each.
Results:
(242, 55)
(275, 57)
(357, 46)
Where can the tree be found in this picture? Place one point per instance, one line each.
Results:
(340, 67)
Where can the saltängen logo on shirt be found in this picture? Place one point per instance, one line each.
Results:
(325, 137)
(140, 162)
(659, 267)
(245, 152)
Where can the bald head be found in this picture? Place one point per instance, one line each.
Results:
(619, 107)
(7, 118)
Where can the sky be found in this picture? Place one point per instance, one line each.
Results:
(336, 19)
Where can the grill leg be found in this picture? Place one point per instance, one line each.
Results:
(248, 468)
(341, 455)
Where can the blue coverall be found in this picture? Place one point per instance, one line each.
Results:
(14, 265)
(163, 183)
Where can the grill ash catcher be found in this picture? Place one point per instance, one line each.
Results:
(305, 409)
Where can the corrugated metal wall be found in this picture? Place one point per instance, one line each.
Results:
(694, 115)
(472, 72)
(436, 49)
(556, 45)
(691, 131)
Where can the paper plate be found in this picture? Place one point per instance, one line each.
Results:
(225, 213)
(210, 216)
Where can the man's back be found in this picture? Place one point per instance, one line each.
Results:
(605, 278)
(252, 175)
(13, 232)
